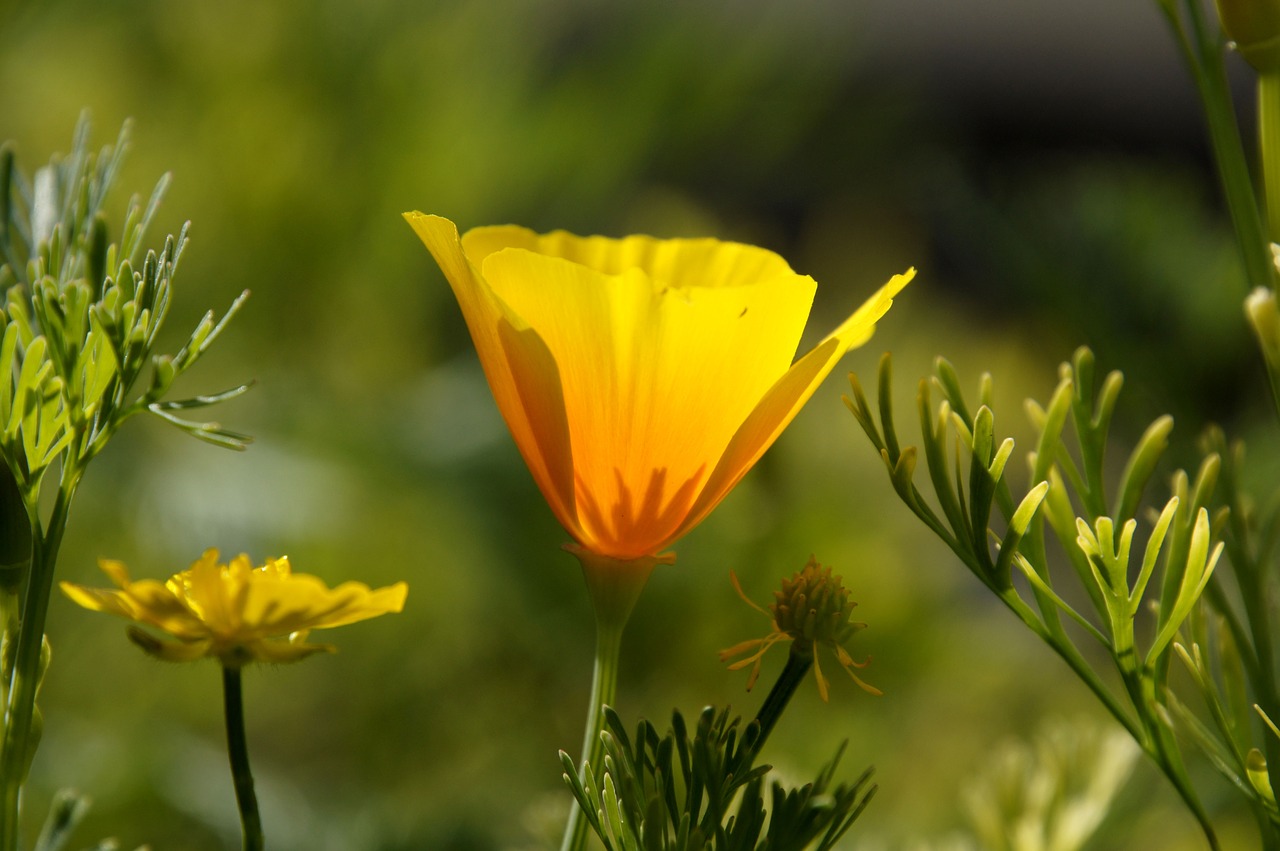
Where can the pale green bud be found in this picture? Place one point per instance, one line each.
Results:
(1265, 319)
(1254, 27)
(1255, 764)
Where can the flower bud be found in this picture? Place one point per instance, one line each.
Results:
(1255, 765)
(1254, 27)
(1265, 319)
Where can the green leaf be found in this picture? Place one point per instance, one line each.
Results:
(982, 484)
(202, 401)
(1018, 526)
(209, 432)
(68, 809)
(1152, 554)
(1141, 464)
(949, 382)
(934, 434)
(1062, 520)
(206, 332)
(884, 377)
(1227, 763)
(861, 411)
(95, 370)
(1038, 581)
(8, 358)
(32, 374)
(136, 229)
(1199, 568)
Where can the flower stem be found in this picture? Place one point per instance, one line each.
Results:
(1257, 610)
(793, 673)
(604, 684)
(1269, 148)
(1202, 49)
(238, 751)
(614, 585)
(1163, 751)
(20, 691)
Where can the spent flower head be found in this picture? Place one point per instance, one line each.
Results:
(812, 610)
(234, 612)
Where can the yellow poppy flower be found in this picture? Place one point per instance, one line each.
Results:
(641, 378)
(234, 612)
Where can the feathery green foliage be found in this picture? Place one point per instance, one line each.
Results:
(675, 792)
(81, 316)
(1094, 528)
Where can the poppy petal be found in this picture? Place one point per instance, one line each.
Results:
(787, 396)
(533, 426)
(654, 379)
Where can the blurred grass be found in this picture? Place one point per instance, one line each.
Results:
(297, 134)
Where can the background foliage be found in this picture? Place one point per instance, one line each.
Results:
(1044, 168)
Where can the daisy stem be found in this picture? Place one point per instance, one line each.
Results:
(238, 751)
(793, 673)
(604, 686)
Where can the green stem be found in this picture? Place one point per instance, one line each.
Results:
(1269, 148)
(1163, 750)
(15, 543)
(1269, 151)
(1147, 732)
(1266, 829)
(15, 756)
(793, 673)
(238, 752)
(1256, 604)
(1069, 654)
(1204, 58)
(614, 585)
(604, 686)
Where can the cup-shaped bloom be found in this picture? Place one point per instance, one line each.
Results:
(641, 378)
(234, 612)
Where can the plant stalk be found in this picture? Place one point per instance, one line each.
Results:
(614, 586)
(1269, 148)
(238, 753)
(1164, 752)
(1203, 51)
(25, 681)
(604, 686)
(793, 673)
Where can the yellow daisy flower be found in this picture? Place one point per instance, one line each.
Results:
(234, 612)
(641, 378)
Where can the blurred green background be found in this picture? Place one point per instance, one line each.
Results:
(1042, 164)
